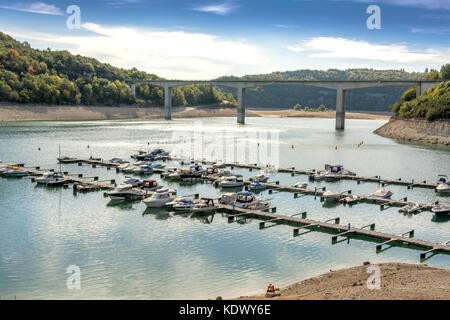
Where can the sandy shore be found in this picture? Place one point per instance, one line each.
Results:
(44, 112)
(423, 131)
(398, 281)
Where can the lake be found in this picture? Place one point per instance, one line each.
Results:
(127, 252)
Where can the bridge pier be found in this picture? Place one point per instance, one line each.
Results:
(167, 103)
(422, 87)
(340, 108)
(133, 89)
(241, 105)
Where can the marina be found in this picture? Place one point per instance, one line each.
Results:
(127, 236)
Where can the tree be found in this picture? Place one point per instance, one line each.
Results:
(432, 75)
(297, 106)
(445, 72)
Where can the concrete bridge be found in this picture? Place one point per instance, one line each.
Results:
(341, 88)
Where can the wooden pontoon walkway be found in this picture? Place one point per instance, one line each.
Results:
(88, 184)
(339, 230)
(376, 179)
(318, 192)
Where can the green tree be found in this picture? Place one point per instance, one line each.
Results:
(445, 72)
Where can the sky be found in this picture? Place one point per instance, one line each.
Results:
(202, 39)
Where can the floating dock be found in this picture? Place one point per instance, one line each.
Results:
(337, 229)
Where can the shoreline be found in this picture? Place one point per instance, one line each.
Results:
(35, 112)
(417, 131)
(399, 281)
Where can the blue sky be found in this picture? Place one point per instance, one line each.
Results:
(206, 39)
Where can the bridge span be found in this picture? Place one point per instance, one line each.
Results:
(341, 88)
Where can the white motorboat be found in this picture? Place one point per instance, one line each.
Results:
(228, 198)
(331, 196)
(219, 165)
(410, 208)
(47, 177)
(259, 178)
(443, 187)
(248, 200)
(205, 205)
(302, 185)
(129, 169)
(183, 205)
(134, 182)
(232, 182)
(151, 185)
(351, 199)
(318, 176)
(124, 166)
(441, 210)
(120, 188)
(382, 193)
(130, 194)
(442, 179)
(159, 198)
(443, 184)
(14, 173)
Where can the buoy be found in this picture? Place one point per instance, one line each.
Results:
(39, 148)
(88, 146)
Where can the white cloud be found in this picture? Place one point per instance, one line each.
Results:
(342, 48)
(35, 7)
(219, 8)
(170, 54)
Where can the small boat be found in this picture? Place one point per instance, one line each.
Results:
(183, 205)
(382, 193)
(205, 205)
(129, 169)
(318, 176)
(219, 165)
(159, 198)
(256, 186)
(228, 198)
(129, 194)
(410, 208)
(352, 199)
(14, 173)
(46, 177)
(195, 171)
(302, 185)
(143, 169)
(134, 182)
(118, 189)
(150, 185)
(331, 196)
(259, 178)
(117, 160)
(442, 179)
(443, 188)
(232, 182)
(247, 200)
(211, 171)
(441, 210)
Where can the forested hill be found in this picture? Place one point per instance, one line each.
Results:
(283, 96)
(28, 75)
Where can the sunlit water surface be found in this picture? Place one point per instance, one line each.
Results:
(126, 251)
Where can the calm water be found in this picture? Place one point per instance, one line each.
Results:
(127, 252)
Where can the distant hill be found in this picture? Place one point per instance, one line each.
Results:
(28, 75)
(284, 96)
